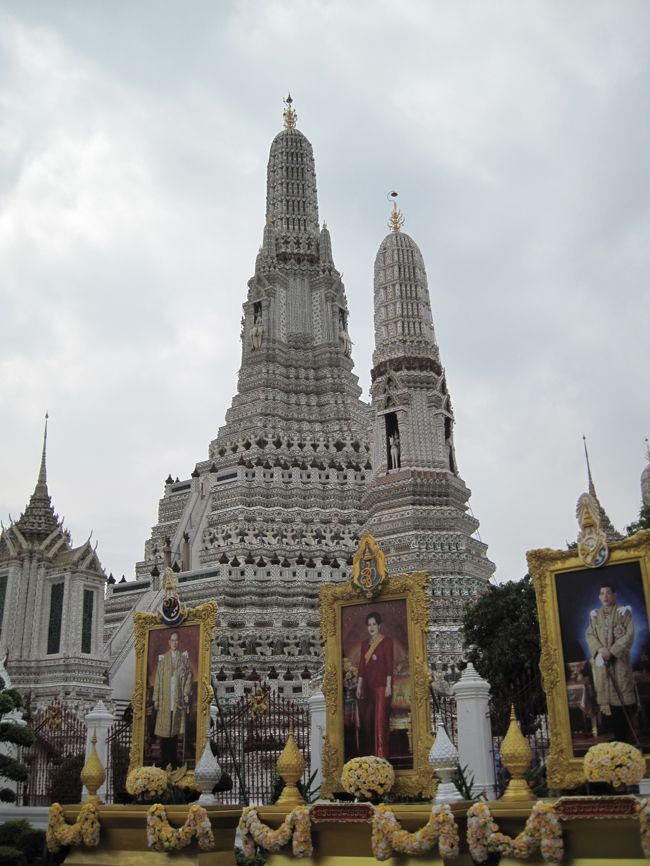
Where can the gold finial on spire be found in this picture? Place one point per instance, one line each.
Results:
(396, 220)
(289, 115)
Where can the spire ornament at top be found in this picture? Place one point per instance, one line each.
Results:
(289, 115)
(397, 219)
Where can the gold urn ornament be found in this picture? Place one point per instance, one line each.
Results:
(93, 774)
(290, 766)
(516, 756)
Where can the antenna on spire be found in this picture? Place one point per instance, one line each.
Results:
(591, 481)
(42, 475)
(289, 115)
(396, 220)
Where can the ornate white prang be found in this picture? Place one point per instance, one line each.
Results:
(443, 758)
(207, 774)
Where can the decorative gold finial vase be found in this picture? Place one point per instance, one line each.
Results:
(290, 766)
(516, 756)
(93, 774)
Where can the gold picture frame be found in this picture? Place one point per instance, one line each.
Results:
(195, 634)
(567, 596)
(335, 599)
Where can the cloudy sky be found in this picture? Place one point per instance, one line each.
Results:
(133, 148)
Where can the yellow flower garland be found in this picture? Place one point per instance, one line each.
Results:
(85, 829)
(161, 836)
(388, 835)
(295, 827)
(542, 830)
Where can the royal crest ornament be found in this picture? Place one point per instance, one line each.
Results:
(592, 541)
(172, 611)
(368, 567)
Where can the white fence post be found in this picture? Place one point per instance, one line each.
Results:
(99, 721)
(472, 695)
(316, 735)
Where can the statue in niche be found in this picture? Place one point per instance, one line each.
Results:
(257, 331)
(393, 441)
(344, 338)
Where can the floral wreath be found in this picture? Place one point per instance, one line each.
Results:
(388, 835)
(84, 831)
(367, 777)
(295, 827)
(617, 763)
(147, 782)
(542, 830)
(161, 836)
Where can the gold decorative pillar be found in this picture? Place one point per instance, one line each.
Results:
(516, 756)
(290, 766)
(93, 774)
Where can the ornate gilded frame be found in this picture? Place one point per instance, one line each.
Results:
(333, 598)
(546, 566)
(205, 616)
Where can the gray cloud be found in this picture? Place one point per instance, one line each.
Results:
(132, 184)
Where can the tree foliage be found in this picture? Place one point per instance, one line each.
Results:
(17, 735)
(642, 523)
(501, 630)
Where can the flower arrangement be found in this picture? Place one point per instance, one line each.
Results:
(542, 830)
(147, 783)
(367, 778)
(85, 829)
(296, 826)
(388, 835)
(619, 764)
(161, 836)
(350, 673)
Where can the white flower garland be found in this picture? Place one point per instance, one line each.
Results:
(388, 835)
(542, 830)
(295, 827)
(161, 836)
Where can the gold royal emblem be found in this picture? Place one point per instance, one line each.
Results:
(368, 567)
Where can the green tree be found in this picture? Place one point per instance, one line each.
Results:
(501, 630)
(642, 523)
(15, 734)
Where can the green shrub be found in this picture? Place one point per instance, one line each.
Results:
(65, 786)
(11, 856)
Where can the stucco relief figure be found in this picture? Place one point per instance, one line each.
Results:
(610, 636)
(171, 699)
(257, 331)
(375, 689)
(393, 441)
(345, 342)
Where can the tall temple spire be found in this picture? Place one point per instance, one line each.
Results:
(606, 524)
(417, 501)
(39, 519)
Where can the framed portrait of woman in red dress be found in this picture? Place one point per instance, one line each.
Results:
(376, 680)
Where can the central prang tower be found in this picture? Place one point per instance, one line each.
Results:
(275, 510)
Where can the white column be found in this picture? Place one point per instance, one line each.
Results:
(98, 720)
(316, 735)
(472, 695)
(15, 717)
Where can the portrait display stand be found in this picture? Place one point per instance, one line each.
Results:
(595, 651)
(173, 690)
(382, 625)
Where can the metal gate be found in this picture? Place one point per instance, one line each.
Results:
(251, 733)
(55, 759)
(118, 747)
